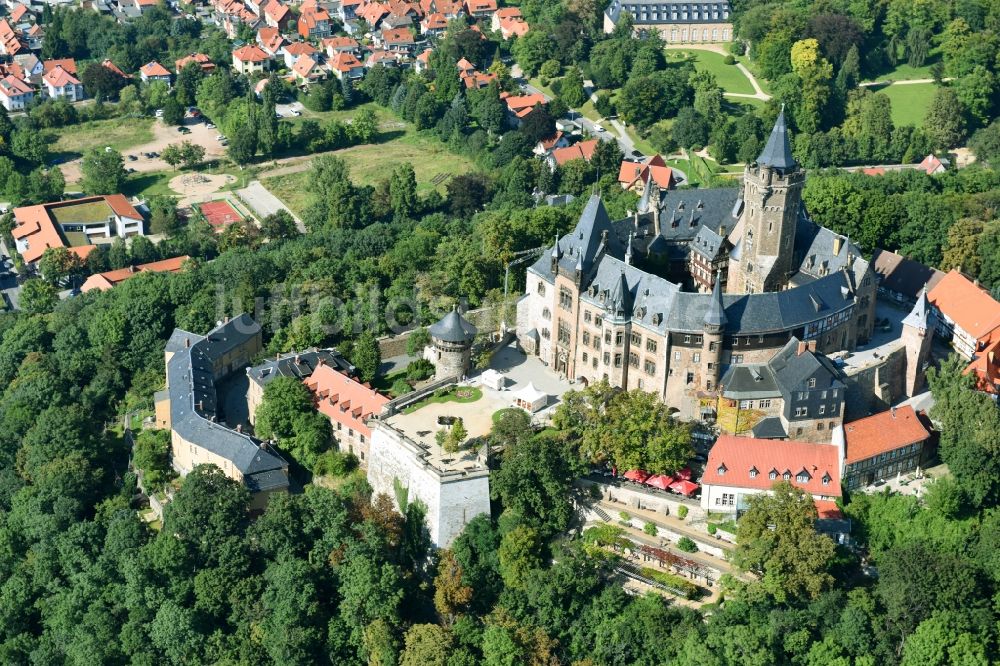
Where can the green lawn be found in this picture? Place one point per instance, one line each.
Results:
(149, 183)
(119, 133)
(385, 117)
(729, 78)
(909, 102)
(85, 213)
(459, 394)
(904, 72)
(370, 163)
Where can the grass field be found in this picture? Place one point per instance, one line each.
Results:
(909, 102)
(903, 72)
(149, 183)
(85, 213)
(372, 162)
(729, 78)
(119, 133)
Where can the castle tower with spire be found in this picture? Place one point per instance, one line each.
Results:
(763, 256)
(715, 325)
(917, 336)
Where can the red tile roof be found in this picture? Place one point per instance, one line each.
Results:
(825, 509)
(340, 43)
(631, 173)
(154, 69)
(107, 64)
(276, 11)
(970, 306)
(344, 61)
(300, 48)
(59, 77)
(520, 102)
(737, 456)
(372, 13)
(11, 86)
(435, 21)
(579, 151)
(121, 207)
(250, 53)
(344, 399)
(932, 165)
(304, 66)
(985, 367)
(549, 142)
(18, 13)
(397, 36)
(883, 432)
(473, 6)
(69, 64)
(513, 27)
(198, 58)
(107, 280)
(10, 40)
(270, 39)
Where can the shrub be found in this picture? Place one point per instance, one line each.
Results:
(687, 545)
(335, 463)
(729, 60)
(712, 529)
(681, 585)
(650, 529)
(419, 370)
(682, 512)
(624, 516)
(595, 492)
(737, 48)
(400, 387)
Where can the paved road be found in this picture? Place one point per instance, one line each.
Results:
(260, 199)
(906, 82)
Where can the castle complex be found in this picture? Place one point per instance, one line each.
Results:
(696, 281)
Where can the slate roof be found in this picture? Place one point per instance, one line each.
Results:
(920, 316)
(298, 365)
(777, 153)
(749, 382)
(903, 276)
(715, 314)
(453, 328)
(792, 369)
(769, 428)
(193, 402)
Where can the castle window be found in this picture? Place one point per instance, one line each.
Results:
(594, 363)
(563, 333)
(764, 404)
(737, 358)
(826, 478)
(822, 410)
(773, 474)
(677, 356)
(586, 337)
(753, 472)
(690, 377)
(619, 338)
(696, 357)
(565, 299)
(819, 426)
(597, 342)
(584, 357)
(812, 382)
(546, 315)
(802, 477)
(607, 337)
(651, 345)
(712, 346)
(545, 333)
(746, 404)
(633, 359)
(635, 339)
(787, 475)
(687, 339)
(541, 288)
(618, 360)
(722, 469)
(597, 321)
(607, 358)
(708, 385)
(650, 367)
(586, 316)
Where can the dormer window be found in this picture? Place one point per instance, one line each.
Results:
(753, 472)
(803, 477)
(812, 382)
(786, 475)
(722, 469)
(773, 474)
(826, 479)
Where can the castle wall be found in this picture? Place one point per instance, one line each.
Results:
(877, 385)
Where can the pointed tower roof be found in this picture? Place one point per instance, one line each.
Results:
(556, 252)
(621, 296)
(777, 153)
(645, 198)
(453, 328)
(919, 315)
(715, 316)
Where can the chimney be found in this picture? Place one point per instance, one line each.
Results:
(239, 427)
(893, 410)
(722, 230)
(803, 346)
(201, 405)
(691, 221)
(187, 342)
(838, 241)
(227, 319)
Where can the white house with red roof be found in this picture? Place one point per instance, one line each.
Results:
(509, 22)
(480, 8)
(200, 59)
(348, 404)
(61, 84)
(307, 70)
(395, 40)
(883, 445)
(434, 24)
(933, 165)
(584, 150)
(345, 64)
(277, 15)
(251, 59)
(270, 40)
(422, 61)
(635, 176)
(15, 94)
(11, 43)
(348, 10)
(334, 45)
(292, 52)
(548, 144)
(154, 71)
(739, 467)
(519, 106)
(966, 313)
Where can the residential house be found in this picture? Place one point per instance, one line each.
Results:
(35, 37)
(348, 404)
(11, 43)
(465, 68)
(519, 106)
(798, 394)
(20, 14)
(477, 80)
(200, 59)
(901, 280)
(32, 68)
(307, 70)
(509, 23)
(334, 45)
(380, 57)
(314, 23)
(393, 21)
(932, 165)
(270, 40)
(61, 84)
(277, 15)
(372, 14)
(153, 71)
(739, 468)
(966, 313)
(985, 367)
(114, 69)
(412, 10)
(292, 52)
(110, 279)
(38, 228)
(882, 446)
(189, 408)
(584, 150)
(422, 62)
(15, 94)
(451, 9)
(345, 64)
(348, 10)
(480, 8)
(395, 40)
(547, 145)
(677, 21)
(251, 59)
(434, 24)
(69, 64)
(634, 176)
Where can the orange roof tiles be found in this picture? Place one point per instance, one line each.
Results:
(827, 510)
(340, 43)
(397, 36)
(9, 39)
(736, 457)
(11, 86)
(304, 66)
(108, 279)
(69, 64)
(473, 6)
(121, 207)
(276, 11)
(300, 48)
(107, 64)
(250, 53)
(270, 39)
(59, 77)
(883, 432)
(151, 69)
(579, 151)
(970, 306)
(344, 61)
(18, 13)
(198, 58)
(372, 13)
(435, 21)
(985, 367)
(344, 399)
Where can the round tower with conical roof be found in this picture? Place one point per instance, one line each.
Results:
(451, 341)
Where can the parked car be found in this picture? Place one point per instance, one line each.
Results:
(132, 158)
(210, 125)
(220, 137)
(183, 130)
(159, 113)
(599, 128)
(295, 113)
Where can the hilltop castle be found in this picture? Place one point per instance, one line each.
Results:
(693, 282)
